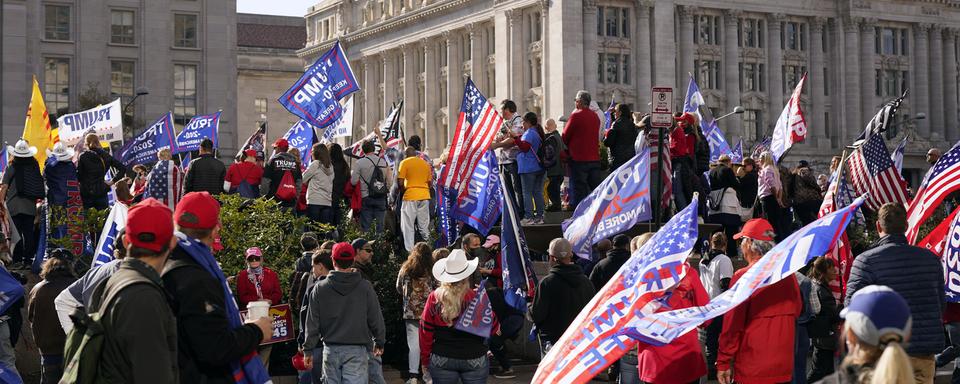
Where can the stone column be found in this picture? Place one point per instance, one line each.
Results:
(936, 84)
(851, 101)
(501, 26)
(664, 45)
(731, 73)
(868, 73)
(431, 87)
(921, 68)
(643, 74)
(518, 60)
(590, 45)
(410, 88)
(390, 77)
(566, 69)
(370, 93)
(951, 125)
(775, 89)
(818, 131)
(477, 58)
(686, 66)
(545, 87)
(454, 82)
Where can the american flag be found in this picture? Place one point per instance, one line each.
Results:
(872, 171)
(356, 149)
(476, 127)
(942, 180)
(666, 174)
(840, 253)
(164, 183)
(760, 146)
(255, 142)
(881, 121)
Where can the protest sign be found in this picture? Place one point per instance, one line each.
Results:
(106, 120)
(282, 323)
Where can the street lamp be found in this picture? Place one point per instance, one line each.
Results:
(892, 129)
(141, 91)
(736, 110)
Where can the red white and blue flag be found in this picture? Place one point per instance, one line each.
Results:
(519, 281)
(165, 183)
(940, 181)
(477, 318)
(840, 253)
(254, 142)
(476, 127)
(791, 127)
(872, 171)
(950, 257)
(936, 240)
(594, 340)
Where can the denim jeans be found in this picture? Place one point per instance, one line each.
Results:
(533, 205)
(801, 347)
(629, 373)
(320, 213)
(51, 368)
(511, 179)
(372, 209)
(445, 370)
(952, 352)
(345, 364)
(375, 369)
(413, 344)
(585, 176)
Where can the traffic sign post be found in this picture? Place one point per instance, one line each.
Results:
(662, 115)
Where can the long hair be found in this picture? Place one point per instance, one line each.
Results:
(321, 154)
(531, 118)
(419, 263)
(55, 264)
(821, 266)
(891, 363)
(450, 296)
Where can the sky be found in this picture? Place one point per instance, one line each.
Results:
(275, 7)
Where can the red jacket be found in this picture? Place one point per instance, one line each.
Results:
(581, 135)
(269, 288)
(758, 335)
(244, 170)
(681, 144)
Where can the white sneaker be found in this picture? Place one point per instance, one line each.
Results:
(412, 380)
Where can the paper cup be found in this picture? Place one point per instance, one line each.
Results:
(258, 309)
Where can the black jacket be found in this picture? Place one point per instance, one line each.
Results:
(206, 343)
(92, 167)
(341, 175)
(621, 140)
(723, 177)
(205, 173)
(748, 189)
(606, 268)
(273, 170)
(825, 316)
(561, 295)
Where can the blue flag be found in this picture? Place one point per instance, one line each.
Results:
(480, 205)
(608, 117)
(477, 318)
(10, 290)
(619, 202)
(737, 156)
(897, 155)
(200, 127)
(301, 136)
(314, 97)
(518, 277)
(693, 102)
(9, 376)
(446, 203)
(143, 148)
(3, 159)
(116, 221)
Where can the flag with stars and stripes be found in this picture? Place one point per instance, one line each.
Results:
(881, 121)
(872, 171)
(897, 155)
(840, 253)
(164, 183)
(940, 181)
(759, 147)
(476, 127)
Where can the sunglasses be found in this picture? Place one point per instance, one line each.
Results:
(253, 258)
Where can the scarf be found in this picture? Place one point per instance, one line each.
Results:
(249, 369)
(256, 277)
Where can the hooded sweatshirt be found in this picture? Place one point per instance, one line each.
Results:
(344, 310)
(560, 297)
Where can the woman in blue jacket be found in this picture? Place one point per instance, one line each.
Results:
(531, 173)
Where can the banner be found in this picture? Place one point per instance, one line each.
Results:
(301, 136)
(783, 260)
(791, 126)
(619, 202)
(314, 97)
(592, 342)
(282, 324)
(200, 127)
(480, 206)
(254, 142)
(143, 148)
(477, 318)
(519, 281)
(105, 120)
(343, 127)
(116, 221)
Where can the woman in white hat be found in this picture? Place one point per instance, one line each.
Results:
(22, 187)
(58, 170)
(452, 355)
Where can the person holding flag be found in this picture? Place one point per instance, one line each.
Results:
(682, 143)
(621, 137)
(505, 146)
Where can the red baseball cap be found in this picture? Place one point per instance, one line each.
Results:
(757, 229)
(343, 251)
(281, 143)
(197, 210)
(250, 153)
(149, 225)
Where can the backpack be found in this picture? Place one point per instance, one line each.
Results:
(84, 344)
(549, 152)
(377, 185)
(287, 190)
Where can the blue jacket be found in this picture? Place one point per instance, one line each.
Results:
(527, 161)
(57, 174)
(917, 275)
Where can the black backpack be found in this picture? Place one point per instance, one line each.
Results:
(377, 185)
(549, 152)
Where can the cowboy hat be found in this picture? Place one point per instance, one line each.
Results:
(455, 267)
(22, 149)
(61, 152)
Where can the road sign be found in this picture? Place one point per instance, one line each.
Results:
(662, 115)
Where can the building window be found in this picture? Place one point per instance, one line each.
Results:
(752, 122)
(536, 72)
(185, 31)
(791, 76)
(184, 93)
(56, 22)
(614, 68)
(793, 36)
(707, 73)
(706, 30)
(121, 80)
(826, 80)
(890, 41)
(56, 86)
(443, 93)
(536, 27)
(749, 33)
(121, 27)
(890, 82)
(613, 22)
(751, 77)
(260, 104)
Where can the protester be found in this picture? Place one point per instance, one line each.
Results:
(284, 175)
(913, 272)
(414, 283)
(78, 295)
(22, 187)
(321, 265)
(749, 179)
(165, 180)
(823, 181)
(716, 270)
(511, 323)
(363, 263)
(757, 341)
(722, 202)
(211, 337)
(801, 340)
(344, 313)
(140, 332)
(806, 194)
(933, 155)
(92, 167)
(450, 354)
(621, 137)
(244, 177)
(414, 175)
(770, 195)
(304, 265)
(556, 171)
(616, 257)
(825, 318)
(318, 179)
(581, 136)
(57, 274)
(491, 266)
(206, 172)
(139, 182)
(505, 146)
(364, 171)
(682, 146)
(531, 173)
(341, 175)
(560, 296)
(951, 321)
(471, 246)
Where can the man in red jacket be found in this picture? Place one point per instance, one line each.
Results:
(581, 135)
(756, 345)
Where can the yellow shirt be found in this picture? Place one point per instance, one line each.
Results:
(416, 175)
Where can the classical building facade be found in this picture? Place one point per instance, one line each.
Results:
(859, 54)
(182, 52)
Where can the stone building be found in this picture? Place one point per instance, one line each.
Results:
(182, 52)
(267, 65)
(859, 54)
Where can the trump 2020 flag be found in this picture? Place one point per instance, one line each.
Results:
(10, 290)
(116, 221)
(315, 96)
(692, 103)
(480, 206)
(951, 262)
(301, 137)
(782, 261)
(143, 148)
(343, 127)
(200, 127)
(737, 156)
(791, 126)
(477, 318)
(593, 341)
(621, 200)
(519, 281)
(446, 225)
